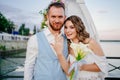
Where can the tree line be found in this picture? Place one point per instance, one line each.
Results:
(8, 26)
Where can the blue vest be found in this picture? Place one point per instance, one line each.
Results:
(47, 66)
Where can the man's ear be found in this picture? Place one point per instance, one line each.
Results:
(47, 16)
(65, 16)
(47, 22)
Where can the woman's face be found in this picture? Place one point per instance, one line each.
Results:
(70, 31)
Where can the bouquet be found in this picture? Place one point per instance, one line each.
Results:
(80, 51)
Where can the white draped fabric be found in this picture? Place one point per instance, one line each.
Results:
(78, 7)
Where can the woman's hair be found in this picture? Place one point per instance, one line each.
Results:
(82, 34)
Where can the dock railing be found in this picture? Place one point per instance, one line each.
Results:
(113, 62)
(11, 37)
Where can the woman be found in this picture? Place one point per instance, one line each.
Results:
(92, 65)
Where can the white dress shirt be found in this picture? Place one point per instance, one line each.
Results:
(32, 51)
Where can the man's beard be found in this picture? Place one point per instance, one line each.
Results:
(55, 29)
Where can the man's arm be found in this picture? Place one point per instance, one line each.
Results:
(31, 54)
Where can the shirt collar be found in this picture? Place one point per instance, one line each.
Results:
(48, 33)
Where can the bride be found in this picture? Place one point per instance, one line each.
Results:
(86, 60)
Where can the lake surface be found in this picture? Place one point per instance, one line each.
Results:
(111, 49)
(12, 66)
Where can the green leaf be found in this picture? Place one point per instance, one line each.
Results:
(72, 73)
(78, 57)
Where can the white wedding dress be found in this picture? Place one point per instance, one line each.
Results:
(92, 58)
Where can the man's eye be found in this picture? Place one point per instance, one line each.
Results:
(53, 16)
(60, 16)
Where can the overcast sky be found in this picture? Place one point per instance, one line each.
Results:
(105, 14)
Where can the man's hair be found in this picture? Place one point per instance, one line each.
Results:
(56, 4)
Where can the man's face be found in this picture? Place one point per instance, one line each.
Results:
(56, 17)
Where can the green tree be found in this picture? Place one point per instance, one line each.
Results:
(21, 29)
(26, 31)
(5, 24)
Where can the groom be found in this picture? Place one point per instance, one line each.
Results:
(41, 61)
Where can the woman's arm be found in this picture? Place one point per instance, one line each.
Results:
(58, 47)
(90, 67)
(97, 50)
(63, 63)
(95, 47)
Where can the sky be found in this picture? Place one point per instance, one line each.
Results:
(106, 17)
(105, 14)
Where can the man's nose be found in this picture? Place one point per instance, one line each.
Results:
(57, 20)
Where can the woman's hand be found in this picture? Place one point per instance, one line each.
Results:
(58, 47)
(58, 44)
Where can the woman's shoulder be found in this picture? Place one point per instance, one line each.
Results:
(95, 47)
(93, 43)
(88, 40)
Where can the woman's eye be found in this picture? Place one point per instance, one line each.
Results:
(72, 27)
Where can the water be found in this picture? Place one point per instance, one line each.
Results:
(13, 66)
(112, 49)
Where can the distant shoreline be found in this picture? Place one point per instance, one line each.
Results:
(109, 40)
